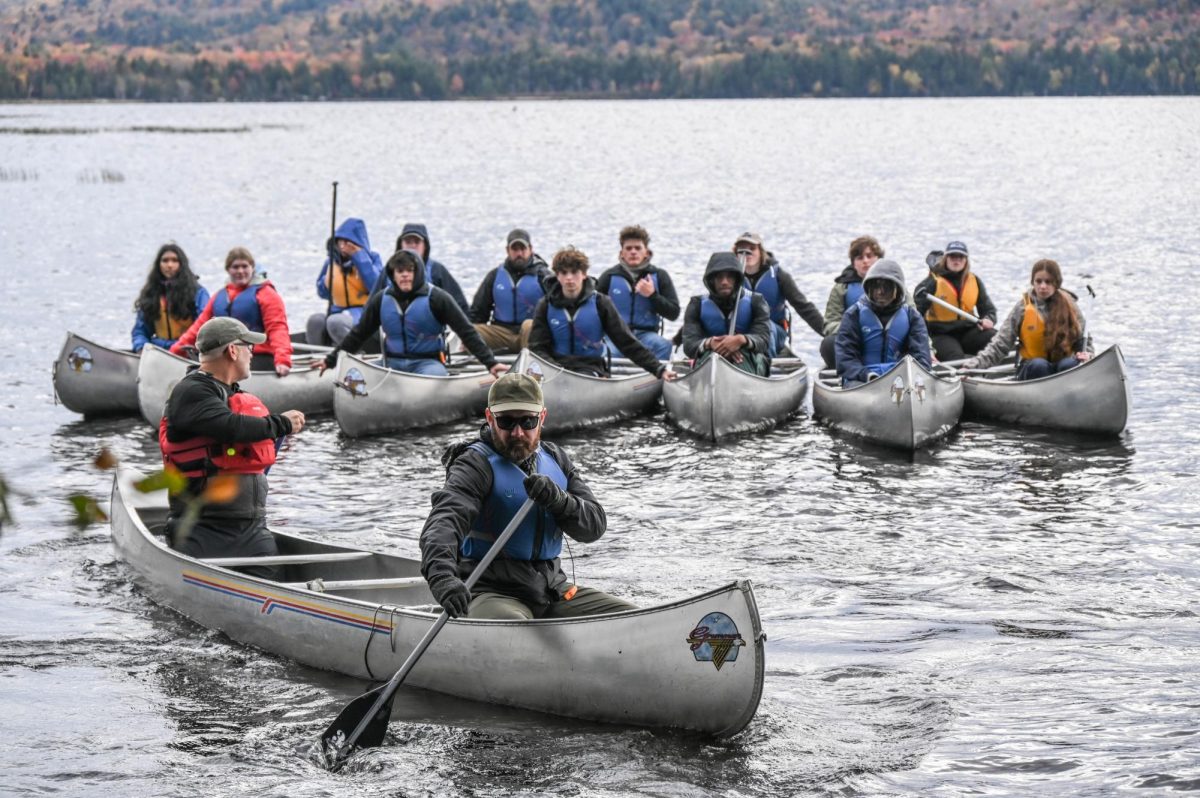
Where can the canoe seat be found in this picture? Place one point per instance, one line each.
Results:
(321, 586)
(289, 559)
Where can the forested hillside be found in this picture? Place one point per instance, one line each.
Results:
(436, 49)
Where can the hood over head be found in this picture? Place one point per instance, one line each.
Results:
(354, 229)
(723, 262)
(409, 258)
(890, 271)
(415, 229)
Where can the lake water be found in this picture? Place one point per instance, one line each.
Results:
(1006, 613)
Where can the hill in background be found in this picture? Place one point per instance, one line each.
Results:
(334, 49)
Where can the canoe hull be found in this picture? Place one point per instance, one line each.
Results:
(372, 400)
(96, 380)
(906, 408)
(578, 401)
(694, 664)
(718, 401)
(1093, 398)
(303, 389)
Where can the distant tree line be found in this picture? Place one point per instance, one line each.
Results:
(833, 70)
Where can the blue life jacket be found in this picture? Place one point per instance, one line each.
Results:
(768, 286)
(715, 322)
(881, 346)
(634, 308)
(514, 306)
(414, 331)
(580, 334)
(854, 292)
(244, 308)
(538, 537)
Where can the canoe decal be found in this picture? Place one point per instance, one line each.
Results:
(80, 359)
(355, 383)
(715, 639)
(268, 603)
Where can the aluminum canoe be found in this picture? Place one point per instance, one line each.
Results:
(302, 389)
(370, 399)
(96, 380)
(578, 401)
(718, 400)
(694, 664)
(1093, 398)
(906, 408)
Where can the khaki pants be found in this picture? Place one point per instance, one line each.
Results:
(502, 340)
(586, 601)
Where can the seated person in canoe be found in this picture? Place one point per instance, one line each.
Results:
(642, 293)
(223, 440)
(350, 271)
(250, 298)
(502, 309)
(171, 299)
(706, 322)
(1046, 327)
(571, 322)
(765, 276)
(847, 288)
(413, 316)
(880, 328)
(952, 280)
(415, 238)
(487, 481)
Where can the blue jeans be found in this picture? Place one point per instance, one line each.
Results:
(1038, 367)
(428, 366)
(660, 346)
(779, 339)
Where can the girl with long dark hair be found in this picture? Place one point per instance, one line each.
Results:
(170, 301)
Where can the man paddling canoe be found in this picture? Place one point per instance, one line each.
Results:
(487, 481)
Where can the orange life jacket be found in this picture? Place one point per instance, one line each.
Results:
(203, 457)
(1032, 335)
(945, 292)
(168, 326)
(348, 288)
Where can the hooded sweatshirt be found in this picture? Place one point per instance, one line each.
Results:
(435, 272)
(757, 337)
(849, 344)
(483, 305)
(541, 339)
(365, 262)
(443, 308)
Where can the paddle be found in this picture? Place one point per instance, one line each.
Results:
(954, 308)
(331, 246)
(364, 721)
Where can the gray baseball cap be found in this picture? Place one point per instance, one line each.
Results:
(517, 234)
(223, 331)
(515, 392)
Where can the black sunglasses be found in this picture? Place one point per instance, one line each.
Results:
(527, 423)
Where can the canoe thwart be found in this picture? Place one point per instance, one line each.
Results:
(288, 559)
(321, 586)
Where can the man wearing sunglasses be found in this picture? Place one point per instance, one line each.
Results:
(487, 481)
(212, 429)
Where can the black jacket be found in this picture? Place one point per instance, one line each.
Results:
(199, 407)
(541, 340)
(460, 500)
(441, 304)
(664, 301)
(758, 337)
(483, 304)
(986, 309)
(791, 293)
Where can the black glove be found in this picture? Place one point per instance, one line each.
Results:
(551, 497)
(331, 359)
(452, 594)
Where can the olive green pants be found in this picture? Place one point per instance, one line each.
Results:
(502, 340)
(586, 601)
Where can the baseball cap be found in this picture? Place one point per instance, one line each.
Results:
(223, 331)
(749, 238)
(515, 392)
(517, 234)
(956, 248)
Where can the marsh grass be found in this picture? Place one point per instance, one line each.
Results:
(17, 175)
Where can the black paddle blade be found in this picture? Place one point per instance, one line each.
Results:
(336, 739)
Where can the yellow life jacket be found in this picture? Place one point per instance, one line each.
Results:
(348, 289)
(1032, 335)
(945, 292)
(168, 326)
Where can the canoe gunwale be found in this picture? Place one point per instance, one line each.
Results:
(702, 418)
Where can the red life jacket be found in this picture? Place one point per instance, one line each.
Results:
(204, 457)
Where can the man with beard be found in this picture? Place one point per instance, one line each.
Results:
(487, 481)
(413, 315)
(765, 276)
(706, 322)
(641, 292)
(503, 306)
(571, 324)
